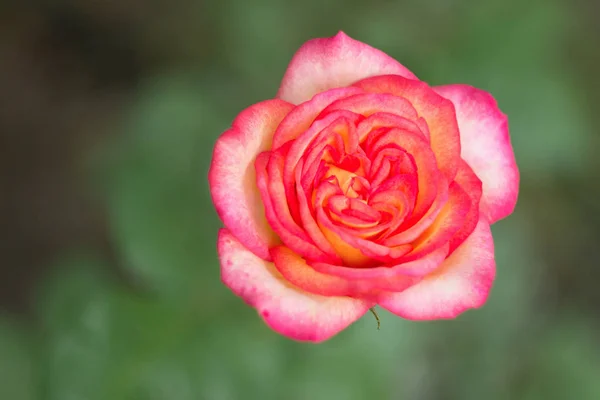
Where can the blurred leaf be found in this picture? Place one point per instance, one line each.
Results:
(17, 361)
(566, 361)
(74, 307)
(161, 213)
(146, 335)
(99, 340)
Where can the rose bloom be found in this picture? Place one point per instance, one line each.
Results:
(360, 185)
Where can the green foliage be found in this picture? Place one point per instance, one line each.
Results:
(18, 360)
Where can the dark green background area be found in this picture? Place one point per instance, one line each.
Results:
(109, 281)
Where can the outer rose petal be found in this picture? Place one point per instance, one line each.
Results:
(462, 282)
(486, 147)
(232, 176)
(285, 308)
(322, 64)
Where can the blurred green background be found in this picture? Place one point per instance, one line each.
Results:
(109, 281)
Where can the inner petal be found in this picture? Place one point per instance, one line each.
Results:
(340, 123)
(427, 172)
(348, 252)
(370, 103)
(386, 120)
(353, 213)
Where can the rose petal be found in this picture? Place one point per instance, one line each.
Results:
(462, 282)
(443, 228)
(284, 202)
(367, 285)
(486, 147)
(437, 111)
(284, 307)
(387, 120)
(410, 230)
(326, 63)
(341, 123)
(428, 174)
(302, 117)
(299, 244)
(338, 123)
(309, 223)
(386, 277)
(355, 251)
(232, 177)
(368, 104)
(348, 252)
(471, 184)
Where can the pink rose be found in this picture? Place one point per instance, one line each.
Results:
(361, 185)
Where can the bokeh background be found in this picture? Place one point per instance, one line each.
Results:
(109, 281)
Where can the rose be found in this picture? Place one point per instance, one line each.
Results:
(361, 185)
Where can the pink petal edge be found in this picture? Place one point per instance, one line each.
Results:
(486, 147)
(232, 177)
(338, 61)
(463, 282)
(285, 308)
